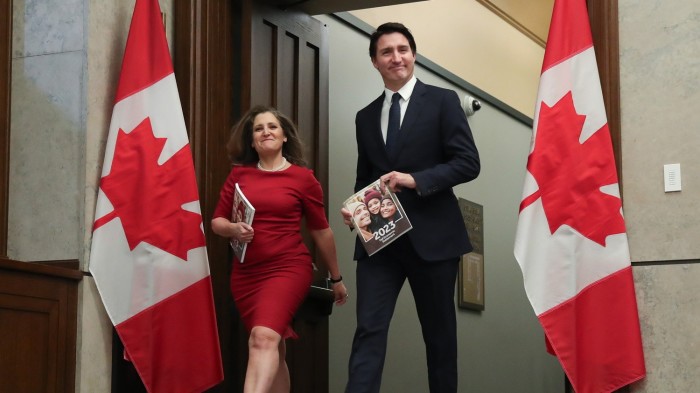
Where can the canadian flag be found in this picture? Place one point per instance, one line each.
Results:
(571, 241)
(148, 255)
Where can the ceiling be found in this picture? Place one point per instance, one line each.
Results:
(529, 17)
(317, 7)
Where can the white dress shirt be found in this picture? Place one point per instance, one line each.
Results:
(405, 93)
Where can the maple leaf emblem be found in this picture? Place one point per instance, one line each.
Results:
(569, 174)
(148, 197)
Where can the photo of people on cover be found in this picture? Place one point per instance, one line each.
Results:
(378, 216)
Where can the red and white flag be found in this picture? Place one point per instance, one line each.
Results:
(571, 241)
(148, 253)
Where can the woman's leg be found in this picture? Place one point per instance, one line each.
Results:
(281, 384)
(263, 360)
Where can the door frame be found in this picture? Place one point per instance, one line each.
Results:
(211, 43)
(211, 86)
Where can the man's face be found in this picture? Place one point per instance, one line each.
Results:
(394, 60)
(361, 215)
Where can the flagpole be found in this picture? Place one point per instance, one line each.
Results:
(604, 22)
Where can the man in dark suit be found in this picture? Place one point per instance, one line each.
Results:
(421, 150)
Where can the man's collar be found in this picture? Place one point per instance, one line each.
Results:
(405, 91)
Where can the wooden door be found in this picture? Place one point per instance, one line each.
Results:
(289, 70)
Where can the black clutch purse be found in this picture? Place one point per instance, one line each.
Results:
(317, 305)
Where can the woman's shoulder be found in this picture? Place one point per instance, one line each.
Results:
(304, 177)
(301, 171)
(238, 171)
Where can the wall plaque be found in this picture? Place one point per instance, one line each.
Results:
(471, 267)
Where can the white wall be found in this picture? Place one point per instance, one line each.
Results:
(500, 349)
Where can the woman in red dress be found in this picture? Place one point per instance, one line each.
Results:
(276, 272)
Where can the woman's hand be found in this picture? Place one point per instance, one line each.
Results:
(325, 244)
(242, 232)
(238, 231)
(340, 293)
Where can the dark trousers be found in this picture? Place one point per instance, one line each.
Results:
(379, 281)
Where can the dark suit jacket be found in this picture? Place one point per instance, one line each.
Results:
(437, 148)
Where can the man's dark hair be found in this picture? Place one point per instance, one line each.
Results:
(388, 28)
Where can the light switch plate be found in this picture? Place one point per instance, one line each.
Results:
(672, 177)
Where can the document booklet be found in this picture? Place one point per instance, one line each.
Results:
(242, 211)
(377, 216)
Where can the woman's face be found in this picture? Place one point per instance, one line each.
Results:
(361, 216)
(388, 208)
(268, 135)
(373, 205)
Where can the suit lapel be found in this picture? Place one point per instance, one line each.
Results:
(374, 130)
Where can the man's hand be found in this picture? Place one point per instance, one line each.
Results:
(396, 181)
(347, 217)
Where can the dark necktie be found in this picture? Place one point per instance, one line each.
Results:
(392, 131)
